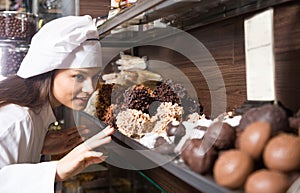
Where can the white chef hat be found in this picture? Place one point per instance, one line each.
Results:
(63, 43)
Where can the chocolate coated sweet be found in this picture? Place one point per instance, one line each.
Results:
(177, 129)
(232, 168)
(223, 134)
(282, 153)
(295, 123)
(199, 161)
(273, 114)
(162, 146)
(254, 138)
(263, 180)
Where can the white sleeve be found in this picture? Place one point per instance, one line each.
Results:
(28, 178)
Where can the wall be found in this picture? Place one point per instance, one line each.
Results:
(225, 41)
(95, 8)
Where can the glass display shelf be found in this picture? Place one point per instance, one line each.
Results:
(120, 155)
(181, 14)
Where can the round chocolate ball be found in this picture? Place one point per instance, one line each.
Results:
(254, 138)
(159, 141)
(162, 146)
(222, 134)
(282, 153)
(232, 168)
(262, 181)
(177, 129)
(272, 114)
(196, 158)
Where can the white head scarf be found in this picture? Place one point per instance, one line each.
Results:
(63, 43)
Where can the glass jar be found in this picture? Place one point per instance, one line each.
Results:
(11, 56)
(17, 26)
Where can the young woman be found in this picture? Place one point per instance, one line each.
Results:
(60, 68)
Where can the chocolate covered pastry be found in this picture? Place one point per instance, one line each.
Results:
(169, 91)
(166, 112)
(138, 97)
(103, 100)
(110, 115)
(133, 123)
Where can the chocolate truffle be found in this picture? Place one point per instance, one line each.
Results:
(194, 157)
(262, 181)
(232, 168)
(282, 153)
(254, 138)
(223, 134)
(273, 114)
(177, 129)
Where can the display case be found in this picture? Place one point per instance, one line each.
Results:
(155, 29)
(17, 29)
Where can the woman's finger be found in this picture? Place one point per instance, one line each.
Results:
(92, 144)
(105, 132)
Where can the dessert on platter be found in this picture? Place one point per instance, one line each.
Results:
(258, 149)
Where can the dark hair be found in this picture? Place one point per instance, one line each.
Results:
(31, 92)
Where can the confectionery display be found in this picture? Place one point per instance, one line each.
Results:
(256, 151)
(16, 31)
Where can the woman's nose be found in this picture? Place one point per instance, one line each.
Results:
(88, 87)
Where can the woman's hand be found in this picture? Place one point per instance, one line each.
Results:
(58, 142)
(83, 155)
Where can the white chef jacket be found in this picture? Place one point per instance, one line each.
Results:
(22, 134)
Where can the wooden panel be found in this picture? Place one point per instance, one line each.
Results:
(95, 8)
(225, 41)
(287, 49)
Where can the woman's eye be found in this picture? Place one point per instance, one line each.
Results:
(79, 77)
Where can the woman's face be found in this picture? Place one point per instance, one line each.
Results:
(73, 87)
